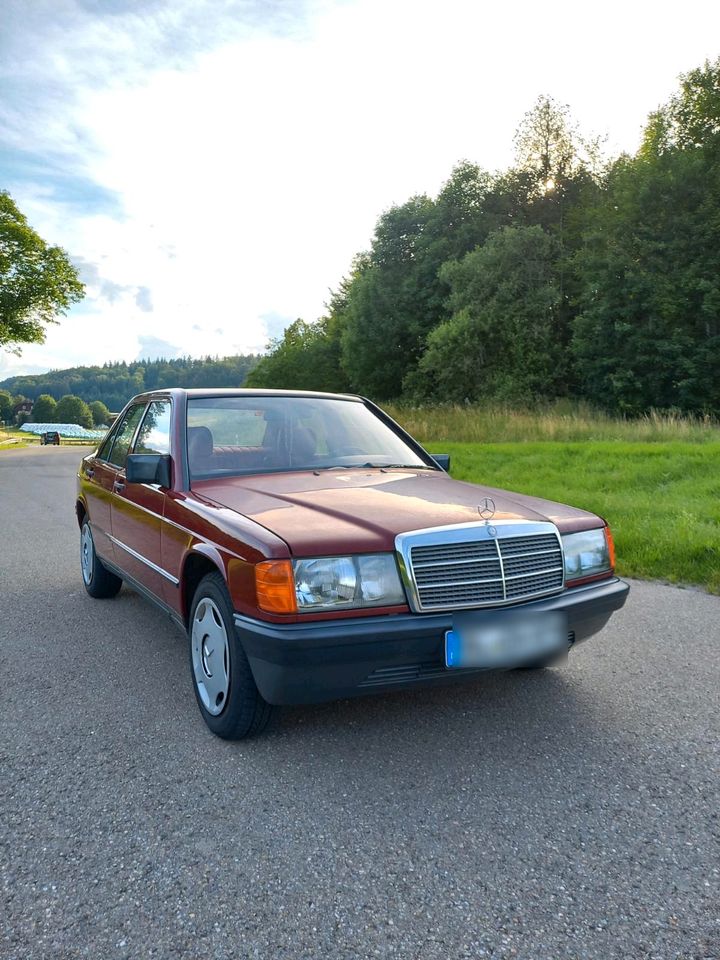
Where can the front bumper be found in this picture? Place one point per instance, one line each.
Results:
(330, 659)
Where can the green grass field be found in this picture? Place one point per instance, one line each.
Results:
(662, 499)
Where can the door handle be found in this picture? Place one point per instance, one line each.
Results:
(118, 486)
(89, 473)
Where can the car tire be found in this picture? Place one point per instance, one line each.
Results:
(226, 692)
(97, 579)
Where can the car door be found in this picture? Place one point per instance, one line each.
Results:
(98, 478)
(138, 508)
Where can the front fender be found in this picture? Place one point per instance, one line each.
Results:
(239, 575)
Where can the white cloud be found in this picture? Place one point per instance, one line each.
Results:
(251, 165)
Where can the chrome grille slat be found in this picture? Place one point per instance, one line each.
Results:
(458, 583)
(456, 572)
(527, 576)
(466, 566)
(447, 563)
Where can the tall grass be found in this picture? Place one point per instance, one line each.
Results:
(561, 421)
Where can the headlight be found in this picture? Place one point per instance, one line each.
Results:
(337, 582)
(588, 554)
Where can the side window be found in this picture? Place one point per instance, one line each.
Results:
(104, 449)
(154, 435)
(124, 435)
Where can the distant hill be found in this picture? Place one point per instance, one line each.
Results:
(115, 383)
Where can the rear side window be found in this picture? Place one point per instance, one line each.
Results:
(154, 434)
(243, 426)
(125, 434)
(106, 446)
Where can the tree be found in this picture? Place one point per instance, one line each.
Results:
(100, 413)
(71, 409)
(37, 281)
(388, 315)
(6, 405)
(501, 341)
(44, 409)
(648, 329)
(550, 149)
(306, 357)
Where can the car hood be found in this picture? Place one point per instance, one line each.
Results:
(359, 511)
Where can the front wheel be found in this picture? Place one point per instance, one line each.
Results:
(98, 581)
(229, 700)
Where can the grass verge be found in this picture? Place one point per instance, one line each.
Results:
(662, 500)
(12, 439)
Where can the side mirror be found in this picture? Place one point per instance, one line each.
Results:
(148, 468)
(442, 460)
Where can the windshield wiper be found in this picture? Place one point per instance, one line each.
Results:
(374, 466)
(401, 466)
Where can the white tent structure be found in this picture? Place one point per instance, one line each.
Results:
(72, 431)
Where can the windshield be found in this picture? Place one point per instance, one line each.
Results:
(241, 435)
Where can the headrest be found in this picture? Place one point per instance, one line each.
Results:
(302, 445)
(200, 443)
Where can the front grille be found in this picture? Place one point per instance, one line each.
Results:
(467, 567)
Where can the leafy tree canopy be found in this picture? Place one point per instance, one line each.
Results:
(72, 409)
(100, 413)
(306, 357)
(44, 409)
(37, 281)
(647, 330)
(6, 405)
(501, 339)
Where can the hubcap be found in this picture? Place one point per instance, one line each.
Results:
(210, 656)
(87, 550)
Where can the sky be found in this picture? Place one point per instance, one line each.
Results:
(211, 167)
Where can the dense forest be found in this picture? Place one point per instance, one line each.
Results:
(114, 383)
(565, 276)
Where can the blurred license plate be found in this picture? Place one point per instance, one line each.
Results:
(504, 639)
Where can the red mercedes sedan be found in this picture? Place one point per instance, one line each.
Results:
(311, 549)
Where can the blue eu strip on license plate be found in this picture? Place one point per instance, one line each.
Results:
(452, 649)
(504, 639)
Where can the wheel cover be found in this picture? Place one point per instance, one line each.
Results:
(87, 554)
(210, 656)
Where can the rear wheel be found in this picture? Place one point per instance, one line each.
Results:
(229, 700)
(98, 581)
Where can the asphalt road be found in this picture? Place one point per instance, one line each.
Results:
(565, 814)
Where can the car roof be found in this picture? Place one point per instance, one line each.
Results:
(209, 392)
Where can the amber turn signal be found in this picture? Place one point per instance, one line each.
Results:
(275, 586)
(611, 547)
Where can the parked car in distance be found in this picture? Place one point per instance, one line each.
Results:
(50, 436)
(311, 549)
